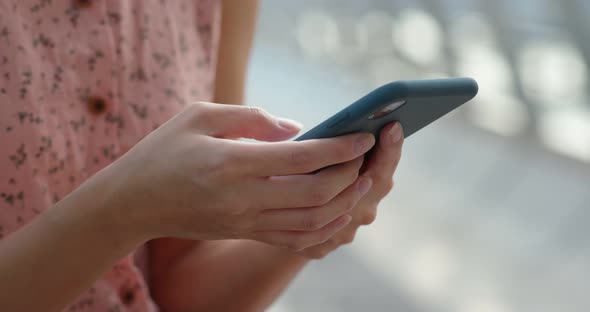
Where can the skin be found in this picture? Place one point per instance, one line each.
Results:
(212, 187)
(380, 169)
(197, 251)
(212, 275)
(180, 269)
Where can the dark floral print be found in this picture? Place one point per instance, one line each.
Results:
(82, 81)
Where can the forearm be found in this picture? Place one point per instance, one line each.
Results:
(236, 275)
(238, 23)
(61, 252)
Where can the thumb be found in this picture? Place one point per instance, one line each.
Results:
(237, 121)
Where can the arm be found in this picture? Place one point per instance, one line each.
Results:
(69, 245)
(238, 23)
(230, 275)
(237, 275)
(248, 276)
(242, 275)
(120, 207)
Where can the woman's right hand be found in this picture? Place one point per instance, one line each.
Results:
(190, 179)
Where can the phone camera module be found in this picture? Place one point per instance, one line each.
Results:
(387, 110)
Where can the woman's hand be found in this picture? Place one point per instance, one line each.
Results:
(380, 169)
(189, 179)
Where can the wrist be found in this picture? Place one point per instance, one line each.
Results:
(107, 211)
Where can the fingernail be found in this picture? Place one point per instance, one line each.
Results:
(364, 142)
(364, 185)
(289, 124)
(344, 221)
(396, 132)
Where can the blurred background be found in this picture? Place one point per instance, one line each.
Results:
(491, 207)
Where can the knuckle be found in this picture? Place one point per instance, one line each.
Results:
(229, 157)
(223, 163)
(239, 210)
(257, 113)
(343, 149)
(384, 186)
(245, 225)
(317, 254)
(319, 196)
(291, 245)
(398, 157)
(353, 174)
(388, 185)
(337, 150)
(311, 221)
(297, 244)
(352, 201)
(397, 153)
(348, 238)
(304, 241)
(300, 160)
(369, 217)
(323, 237)
(197, 110)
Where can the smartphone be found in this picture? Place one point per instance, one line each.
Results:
(414, 103)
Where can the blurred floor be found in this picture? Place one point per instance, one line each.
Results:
(477, 221)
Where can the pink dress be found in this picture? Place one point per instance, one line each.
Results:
(81, 81)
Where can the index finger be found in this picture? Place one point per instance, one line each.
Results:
(383, 162)
(287, 158)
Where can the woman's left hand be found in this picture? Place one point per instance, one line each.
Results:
(380, 169)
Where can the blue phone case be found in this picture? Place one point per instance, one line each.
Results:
(423, 101)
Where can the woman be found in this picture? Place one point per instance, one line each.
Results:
(95, 217)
